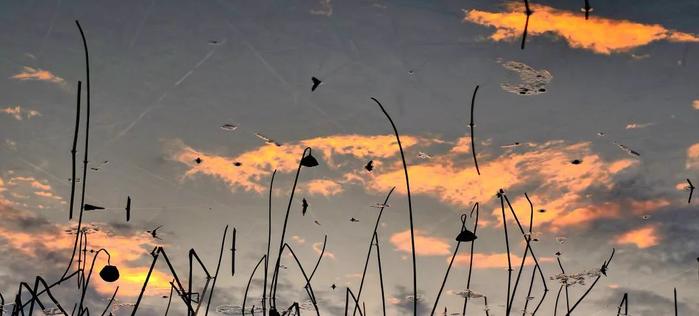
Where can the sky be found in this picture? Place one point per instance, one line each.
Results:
(595, 120)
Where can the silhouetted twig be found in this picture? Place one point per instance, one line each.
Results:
(604, 266)
(223, 242)
(410, 204)
(470, 259)
(674, 290)
(247, 287)
(371, 244)
(275, 275)
(269, 240)
(625, 303)
(451, 262)
(378, 260)
(471, 125)
(528, 12)
(109, 303)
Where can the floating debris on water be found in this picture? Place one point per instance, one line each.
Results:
(533, 82)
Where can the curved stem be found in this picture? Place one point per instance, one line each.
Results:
(223, 243)
(451, 262)
(110, 301)
(247, 287)
(378, 259)
(275, 276)
(371, 244)
(325, 241)
(470, 261)
(472, 126)
(410, 205)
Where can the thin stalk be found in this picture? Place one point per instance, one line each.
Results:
(73, 151)
(169, 300)
(223, 243)
(269, 240)
(275, 276)
(378, 260)
(110, 301)
(470, 259)
(471, 125)
(675, 295)
(565, 284)
(308, 287)
(451, 262)
(410, 205)
(558, 296)
(371, 243)
(325, 241)
(247, 287)
(606, 263)
(507, 244)
(625, 303)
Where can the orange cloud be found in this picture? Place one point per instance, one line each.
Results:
(494, 260)
(425, 245)
(324, 187)
(644, 237)
(693, 156)
(126, 252)
(256, 165)
(318, 248)
(29, 73)
(598, 34)
(559, 185)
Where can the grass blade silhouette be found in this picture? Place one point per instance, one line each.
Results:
(410, 204)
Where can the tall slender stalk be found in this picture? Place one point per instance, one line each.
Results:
(73, 152)
(470, 259)
(371, 244)
(269, 240)
(472, 125)
(275, 276)
(109, 303)
(223, 243)
(247, 287)
(410, 205)
(378, 260)
(604, 266)
(507, 245)
(625, 303)
(674, 290)
(451, 262)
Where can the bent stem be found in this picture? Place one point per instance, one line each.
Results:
(470, 260)
(275, 275)
(371, 243)
(410, 204)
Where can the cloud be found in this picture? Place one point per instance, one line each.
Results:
(598, 34)
(693, 156)
(638, 125)
(34, 239)
(17, 111)
(29, 73)
(22, 187)
(544, 170)
(643, 237)
(257, 165)
(325, 9)
(324, 187)
(494, 260)
(298, 239)
(425, 245)
(318, 248)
